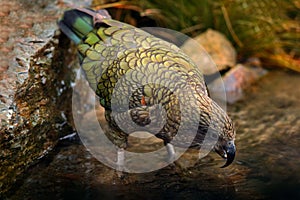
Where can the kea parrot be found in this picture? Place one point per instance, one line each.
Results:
(148, 81)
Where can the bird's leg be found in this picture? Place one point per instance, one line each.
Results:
(120, 162)
(171, 152)
(174, 164)
(120, 159)
(118, 138)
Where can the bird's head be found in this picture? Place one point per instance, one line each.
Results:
(216, 123)
(225, 146)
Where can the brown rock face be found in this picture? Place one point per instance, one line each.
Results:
(35, 86)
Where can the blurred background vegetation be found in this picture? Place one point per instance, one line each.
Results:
(267, 29)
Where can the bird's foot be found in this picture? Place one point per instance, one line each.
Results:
(174, 163)
(120, 174)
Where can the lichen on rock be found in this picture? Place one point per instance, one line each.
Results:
(35, 84)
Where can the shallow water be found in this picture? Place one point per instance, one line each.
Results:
(267, 164)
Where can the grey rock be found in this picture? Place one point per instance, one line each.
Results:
(237, 80)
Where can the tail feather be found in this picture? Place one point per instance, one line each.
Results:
(68, 31)
(76, 23)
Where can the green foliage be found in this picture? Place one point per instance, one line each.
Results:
(269, 29)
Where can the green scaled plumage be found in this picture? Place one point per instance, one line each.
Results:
(130, 68)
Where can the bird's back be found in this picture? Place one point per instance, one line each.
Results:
(112, 50)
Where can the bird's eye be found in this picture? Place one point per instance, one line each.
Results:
(214, 135)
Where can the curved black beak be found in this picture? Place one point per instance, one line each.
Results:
(229, 153)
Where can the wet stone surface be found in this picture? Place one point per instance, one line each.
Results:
(266, 165)
(34, 79)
